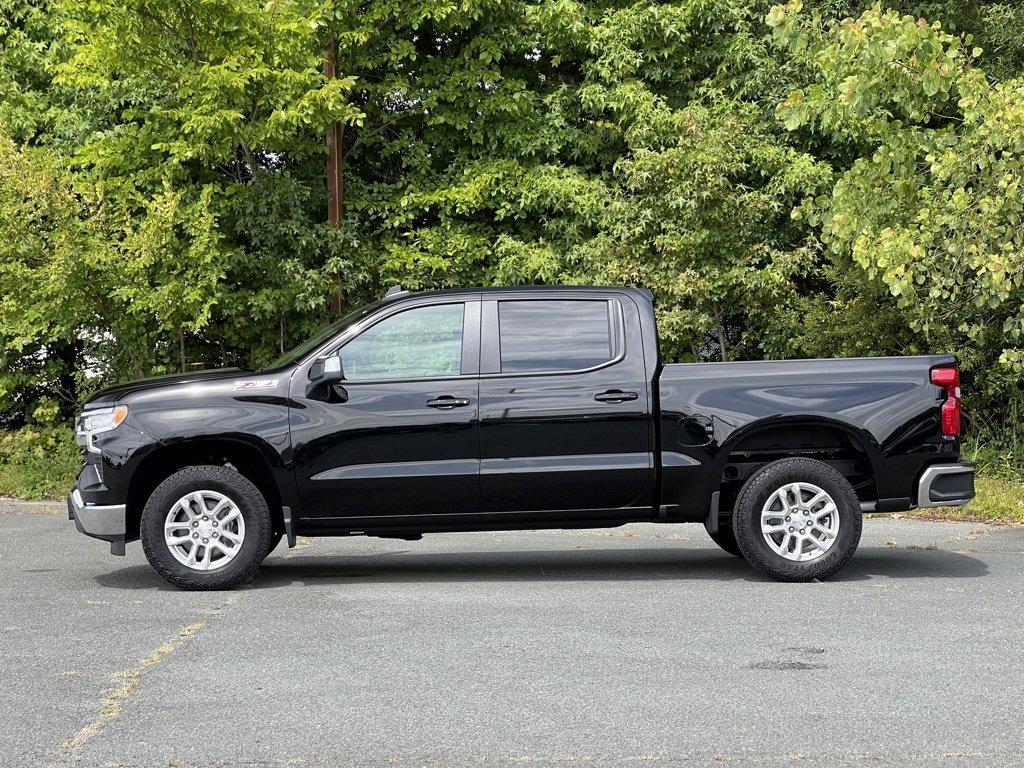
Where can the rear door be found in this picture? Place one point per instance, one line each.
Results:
(564, 406)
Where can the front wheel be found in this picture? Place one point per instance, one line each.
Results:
(797, 520)
(206, 527)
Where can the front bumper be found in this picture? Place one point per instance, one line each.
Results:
(101, 521)
(946, 485)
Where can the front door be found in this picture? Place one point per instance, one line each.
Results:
(398, 438)
(564, 408)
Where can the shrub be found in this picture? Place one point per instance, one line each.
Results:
(38, 462)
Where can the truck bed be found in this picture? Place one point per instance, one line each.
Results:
(716, 418)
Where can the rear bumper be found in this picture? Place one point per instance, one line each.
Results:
(946, 485)
(101, 521)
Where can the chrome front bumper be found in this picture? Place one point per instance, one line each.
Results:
(946, 485)
(105, 521)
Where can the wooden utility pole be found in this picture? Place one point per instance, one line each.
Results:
(335, 165)
(335, 147)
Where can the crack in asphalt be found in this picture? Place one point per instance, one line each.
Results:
(128, 681)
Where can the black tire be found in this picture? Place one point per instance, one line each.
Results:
(275, 539)
(756, 492)
(250, 502)
(726, 539)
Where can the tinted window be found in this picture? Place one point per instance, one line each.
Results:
(553, 335)
(419, 343)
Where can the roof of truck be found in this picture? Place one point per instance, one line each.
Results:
(397, 292)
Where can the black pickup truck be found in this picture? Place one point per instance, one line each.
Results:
(495, 409)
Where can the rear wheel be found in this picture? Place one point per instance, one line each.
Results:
(726, 539)
(797, 520)
(206, 527)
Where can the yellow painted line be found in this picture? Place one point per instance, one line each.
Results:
(129, 680)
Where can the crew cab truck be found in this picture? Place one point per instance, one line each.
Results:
(518, 408)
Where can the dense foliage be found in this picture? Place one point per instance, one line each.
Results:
(816, 178)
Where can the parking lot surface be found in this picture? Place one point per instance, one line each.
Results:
(644, 645)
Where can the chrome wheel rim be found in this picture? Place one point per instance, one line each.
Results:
(204, 530)
(800, 522)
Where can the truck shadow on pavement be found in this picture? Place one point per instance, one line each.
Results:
(407, 566)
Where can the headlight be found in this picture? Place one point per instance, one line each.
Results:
(98, 421)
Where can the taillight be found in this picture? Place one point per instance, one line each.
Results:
(948, 377)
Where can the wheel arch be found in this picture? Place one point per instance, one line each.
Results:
(252, 461)
(845, 446)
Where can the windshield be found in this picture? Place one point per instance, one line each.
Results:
(299, 351)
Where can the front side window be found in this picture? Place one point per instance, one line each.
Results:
(419, 343)
(549, 335)
(296, 353)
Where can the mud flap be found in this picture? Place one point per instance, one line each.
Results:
(289, 529)
(711, 521)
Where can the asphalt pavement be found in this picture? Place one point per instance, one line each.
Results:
(636, 646)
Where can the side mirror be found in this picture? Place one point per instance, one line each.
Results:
(327, 370)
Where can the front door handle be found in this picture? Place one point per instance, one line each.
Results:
(615, 396)
(447, 402)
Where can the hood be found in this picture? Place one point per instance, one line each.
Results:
(111, 395)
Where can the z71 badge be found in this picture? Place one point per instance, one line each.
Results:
(255, 384)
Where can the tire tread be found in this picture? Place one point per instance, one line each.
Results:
(245, 492)
(771, 477)
(726, 539)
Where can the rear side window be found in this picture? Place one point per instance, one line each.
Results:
(539, 336)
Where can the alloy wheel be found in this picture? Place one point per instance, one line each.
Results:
(800, 521)
(204, 530)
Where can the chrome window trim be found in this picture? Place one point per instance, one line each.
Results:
(617, 336)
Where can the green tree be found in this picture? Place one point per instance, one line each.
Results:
(162, 201)
(931, 209)
(188, 184)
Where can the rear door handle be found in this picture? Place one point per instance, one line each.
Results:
(447, 402)
(615, 396)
